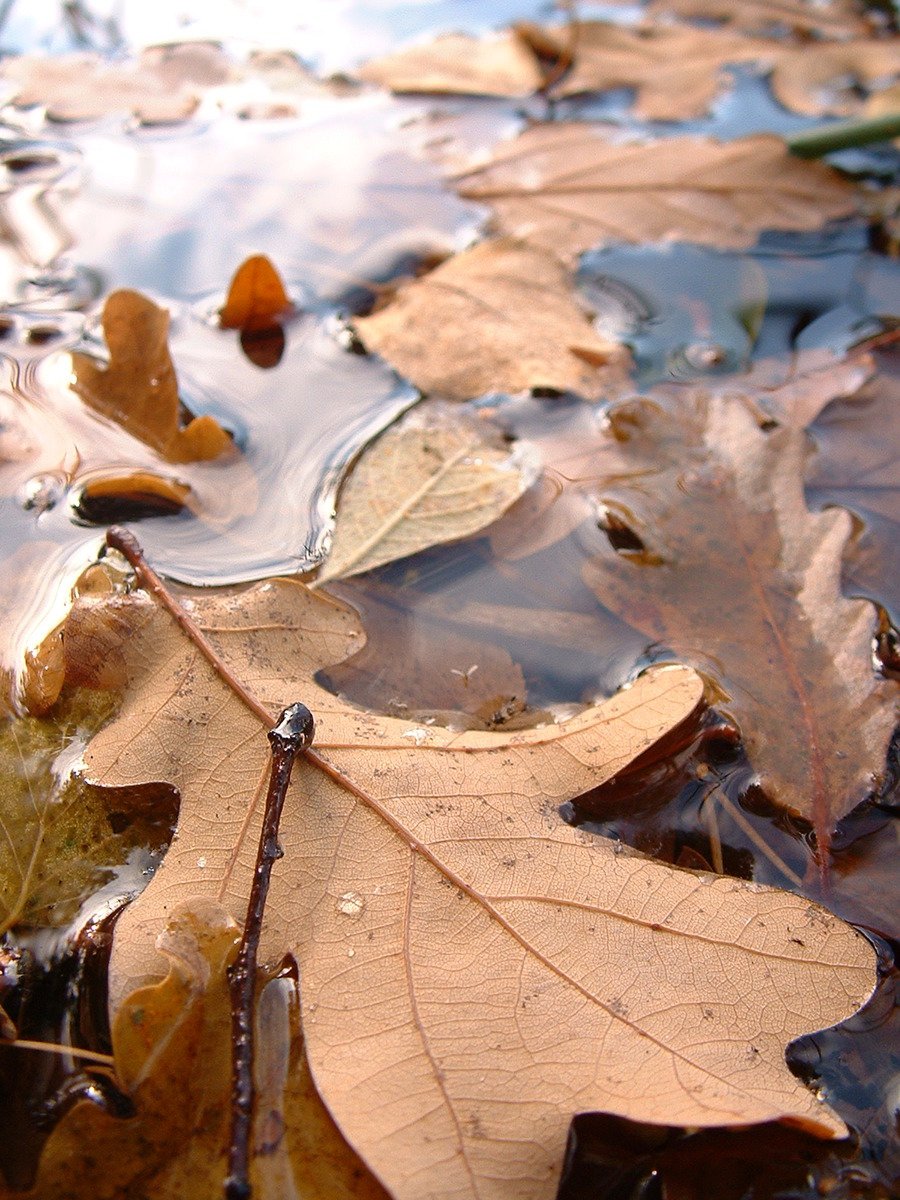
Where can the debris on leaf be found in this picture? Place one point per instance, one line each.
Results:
(499, 317)
(138, 388)
(435, 476)
(256, 297)
(567, 187)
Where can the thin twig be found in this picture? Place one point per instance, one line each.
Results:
(292, 735)
(93, 1056)
(718, 793)
(129, 547)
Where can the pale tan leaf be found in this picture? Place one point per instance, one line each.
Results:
(458, 63)
(569, 187)
(828, 78)
(757, 603)
(474, 970)
(435, 476)
(499, 317)
(677, 71)
(825, 18)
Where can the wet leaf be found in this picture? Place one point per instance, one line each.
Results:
(161, 87)
(58, 842)
(256, 296)
(170, 1050)
(435, 476)
(739, 579)
(138, 388)
(499, 317)
(458, 63)
(569, 187)
(825, 18)
(459, 945)
(677, 70)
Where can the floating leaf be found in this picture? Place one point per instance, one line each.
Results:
(824, 18)
(830, 79)
(499, 65)
(256, 296)
(460, 947)
(569, 187)
(499, 317)
(435, 476)
(138, 388)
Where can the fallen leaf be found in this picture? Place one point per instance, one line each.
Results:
(474, 970)
(169, 1050)
(256, 296)
(720, 500)
(59, 844)
(816, 379)
(831, 78)
(675, 70)
(138, 388)
(499, 317)
(568, 187)
(435, 476)
(824, 18)
(461, 64)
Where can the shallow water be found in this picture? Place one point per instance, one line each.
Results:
(345, 198)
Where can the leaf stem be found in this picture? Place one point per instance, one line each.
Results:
(843, 135)
(292, 735)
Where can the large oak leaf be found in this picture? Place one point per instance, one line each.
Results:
(741, 580)
(569, 186)
(473, 970)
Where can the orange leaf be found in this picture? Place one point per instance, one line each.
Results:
(256, 297)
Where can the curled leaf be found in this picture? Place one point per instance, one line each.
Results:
(256, 297)
(138, 388)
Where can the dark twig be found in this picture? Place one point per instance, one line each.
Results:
(292, 735)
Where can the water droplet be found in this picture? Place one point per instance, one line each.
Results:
(351, 904)
(350, 953)
(416, 735)
(201, 863)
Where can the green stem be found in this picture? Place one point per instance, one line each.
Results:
(823, 139)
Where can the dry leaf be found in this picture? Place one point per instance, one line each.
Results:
(138, 389)
(500, 65)
(825, 18)
(739, 579)
(500, 317)
(256, 296)
(568, 188)
(435, 476)
(474, 970)
(171, 1057)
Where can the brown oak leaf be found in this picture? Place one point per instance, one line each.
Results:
(474, 970)
(461, 64)
(823, 18)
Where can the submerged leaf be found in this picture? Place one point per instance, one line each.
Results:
(171, 1055)
(458, 63)
(138, 388)
(460, 946)
(435, 476)
(256, 296)
(741, 580)
(568, 187)
(499, 317)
